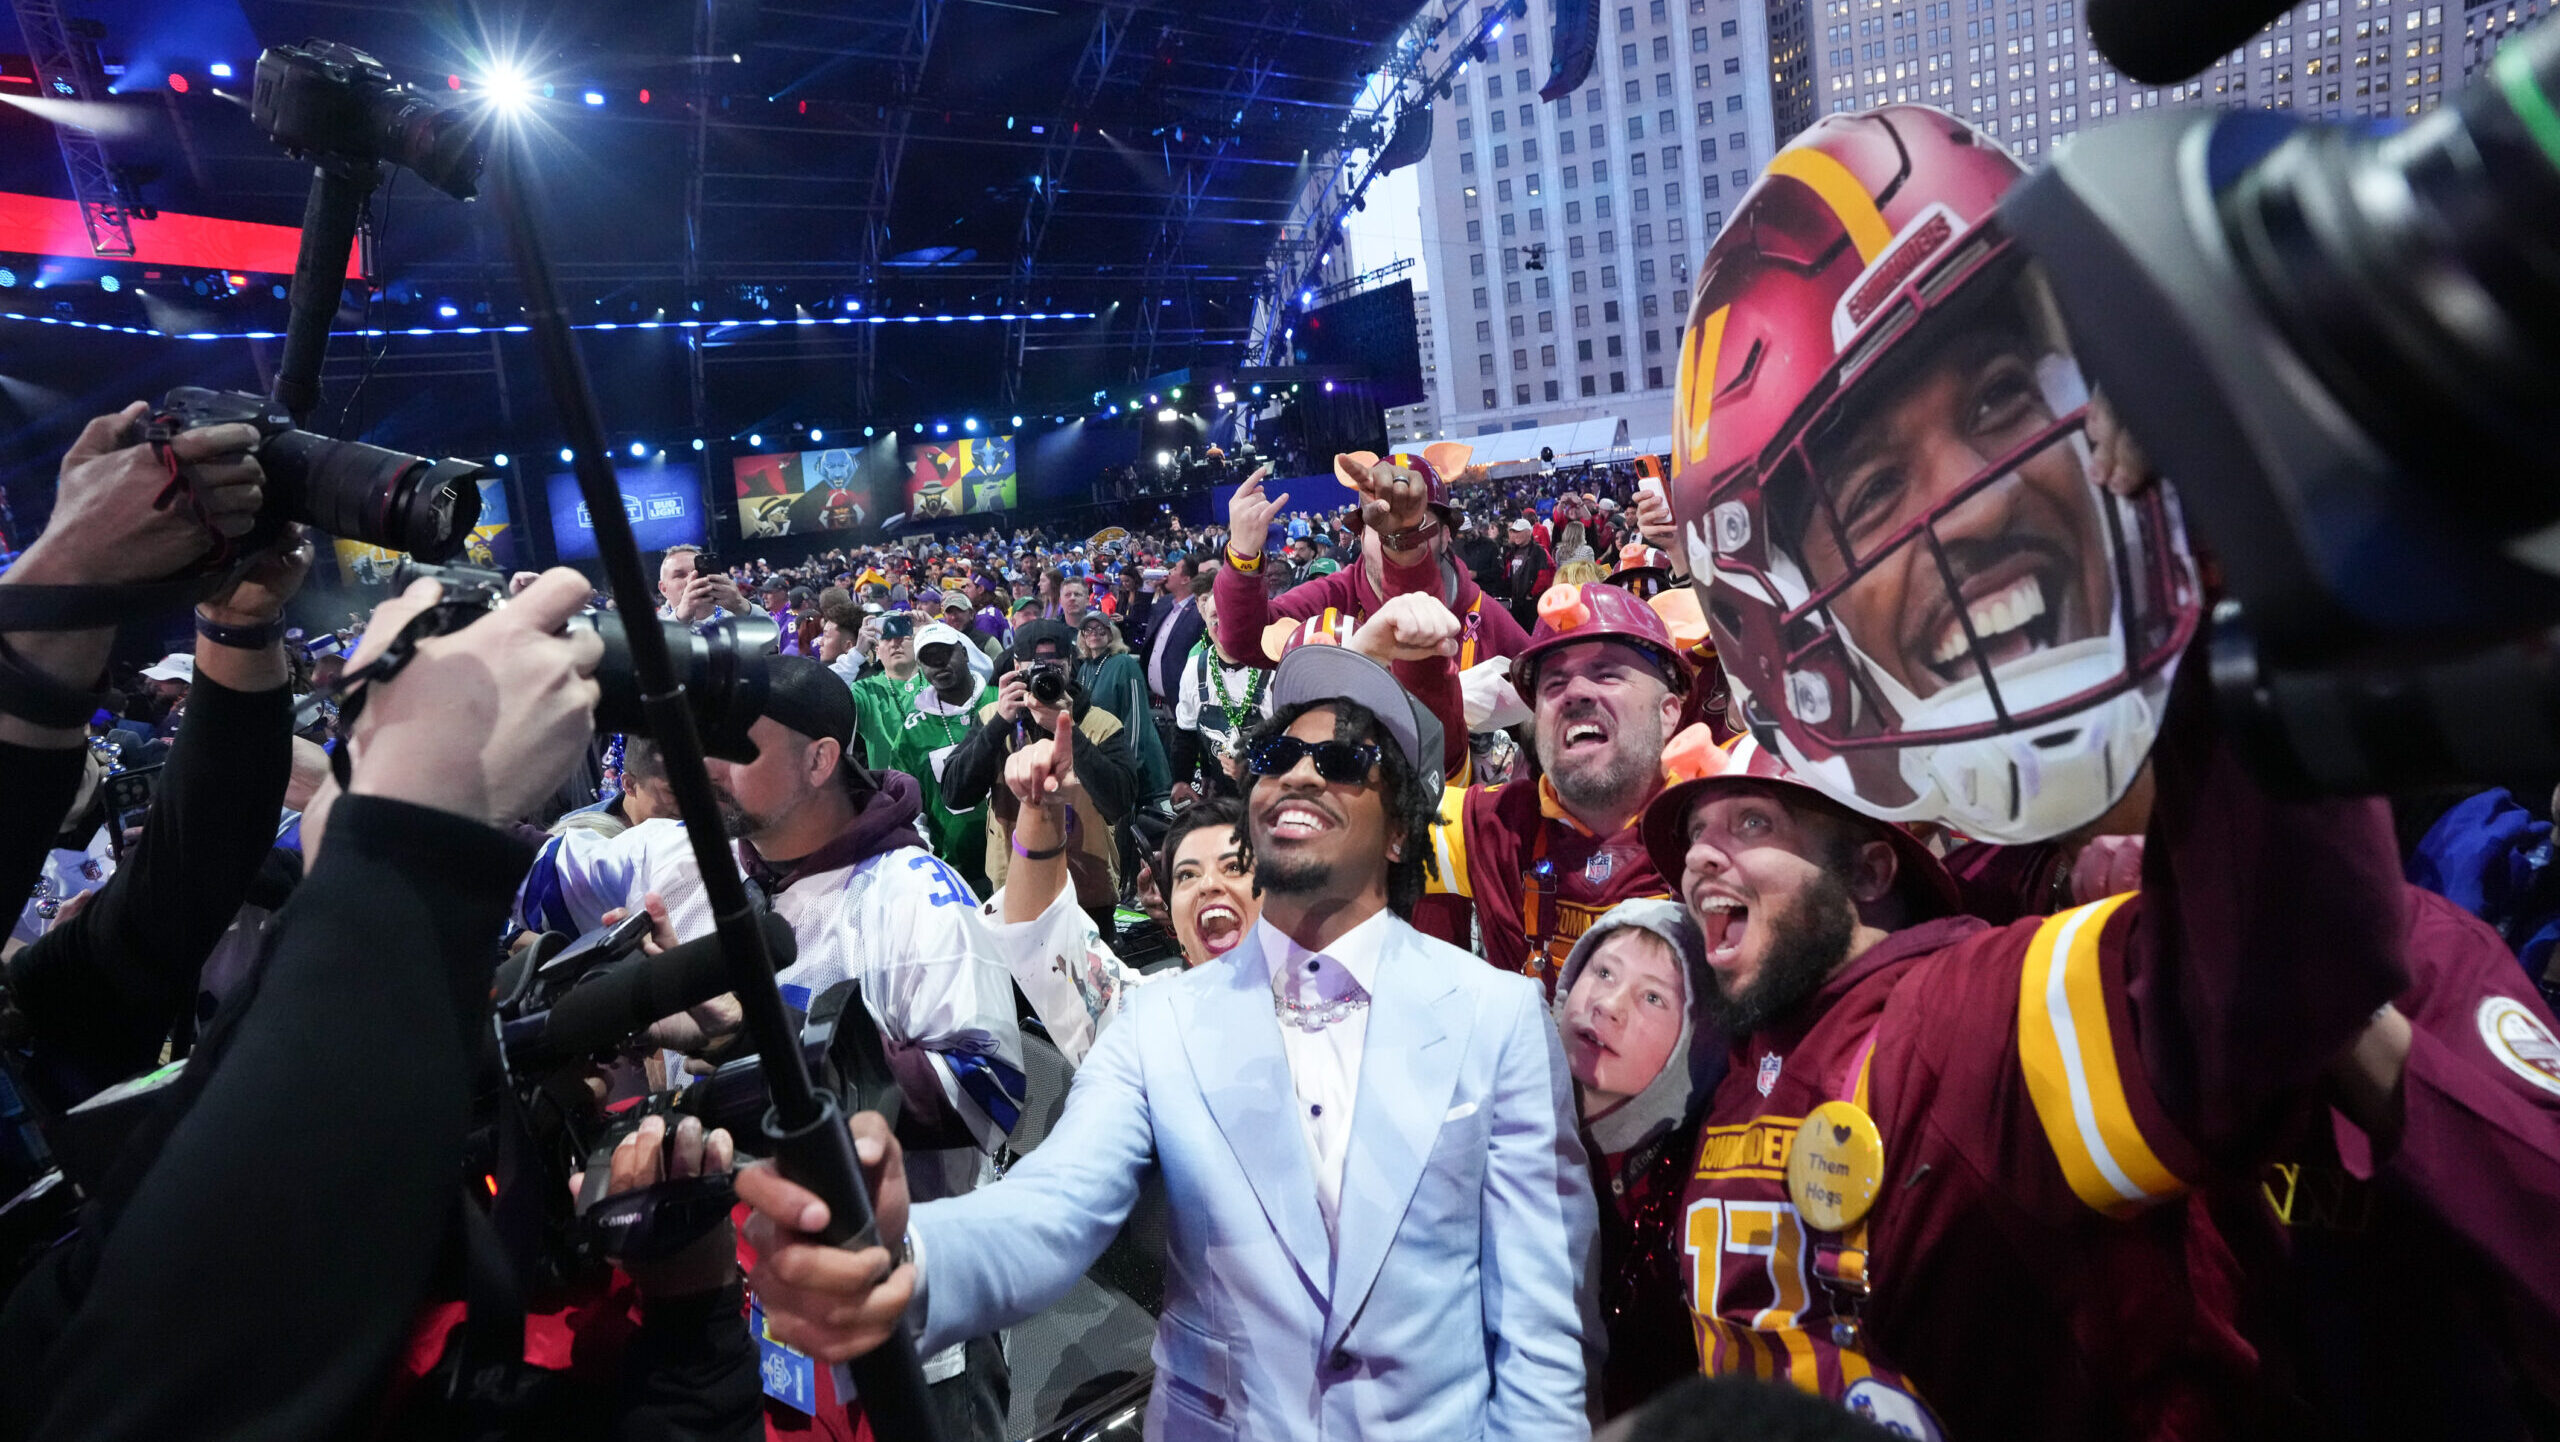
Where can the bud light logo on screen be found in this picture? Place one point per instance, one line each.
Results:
(662, 500)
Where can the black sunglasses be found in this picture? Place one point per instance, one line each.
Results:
(1344, 763)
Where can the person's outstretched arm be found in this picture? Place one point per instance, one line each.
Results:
(105, 531)
(260, 1278)
(102, 989)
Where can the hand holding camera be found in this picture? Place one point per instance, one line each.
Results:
(109, 526)
(482, 722)
(651, 1154)
(256, 596)
(1013, 695)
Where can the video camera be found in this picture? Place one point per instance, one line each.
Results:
(2340, 341)
(721, 666)
(563, 1008)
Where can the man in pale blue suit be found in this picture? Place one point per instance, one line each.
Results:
(1380, 1206)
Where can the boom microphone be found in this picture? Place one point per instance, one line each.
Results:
(629, 997)
(2161, 42)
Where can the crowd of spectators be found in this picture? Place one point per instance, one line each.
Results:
(1509, 1030)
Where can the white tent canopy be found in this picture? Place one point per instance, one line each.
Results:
(1510, 452)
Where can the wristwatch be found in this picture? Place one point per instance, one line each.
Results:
(1412, 537)
(246, 638)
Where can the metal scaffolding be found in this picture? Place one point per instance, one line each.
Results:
(65, 53)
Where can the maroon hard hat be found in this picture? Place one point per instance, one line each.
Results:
(1695, 766)
(1569, 615)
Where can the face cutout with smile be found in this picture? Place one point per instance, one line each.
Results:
(2024, 555)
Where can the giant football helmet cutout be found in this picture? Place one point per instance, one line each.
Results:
(1883, 480)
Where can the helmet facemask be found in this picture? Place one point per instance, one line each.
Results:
(1972, 630)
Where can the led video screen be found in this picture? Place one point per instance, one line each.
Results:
(799, 493)
(972, 476)
(663, 500)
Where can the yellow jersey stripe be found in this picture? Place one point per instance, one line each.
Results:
(1449, 847)
(1803, 1370)
(2066, 1049)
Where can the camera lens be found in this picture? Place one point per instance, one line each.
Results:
(2413, 274)
(722, 669)
(1049, 686)
(366, 493)
(414, 130)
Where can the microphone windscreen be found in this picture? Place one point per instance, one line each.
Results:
(632, 995)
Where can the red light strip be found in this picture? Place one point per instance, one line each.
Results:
(39, 225)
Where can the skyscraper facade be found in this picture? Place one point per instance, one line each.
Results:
(1561, 237)
(2025, 70)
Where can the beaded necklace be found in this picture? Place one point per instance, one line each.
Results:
(1238, 718)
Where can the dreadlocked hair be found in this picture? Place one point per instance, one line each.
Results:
(1412, 805)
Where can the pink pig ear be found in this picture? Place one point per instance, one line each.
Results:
(1352, 467)
(1448, 457)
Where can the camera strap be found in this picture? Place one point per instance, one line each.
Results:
(87, 608)
(33, 696)
(181, 487)
(352, 687)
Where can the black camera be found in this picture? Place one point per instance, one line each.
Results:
(722, 666)
(2339, 342)
(1047, 683)
(364, 493)
(331, 99)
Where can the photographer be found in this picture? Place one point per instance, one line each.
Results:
(833, 848)
(1029, 701)
(100, 991)
(256, 1260)
(108, 528)
(694, 595)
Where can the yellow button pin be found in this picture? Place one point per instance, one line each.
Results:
(1835, 1166)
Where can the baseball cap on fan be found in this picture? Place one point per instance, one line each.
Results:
(176, 666)
(809, 698)
(1314, 673)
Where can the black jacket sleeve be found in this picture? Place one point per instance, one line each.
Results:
(37, 785)
(976, 765)
(102, 989)
(1109, 771)
(691, 1374)
(272, 1255)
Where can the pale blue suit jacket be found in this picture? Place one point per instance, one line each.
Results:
(1449, 1310)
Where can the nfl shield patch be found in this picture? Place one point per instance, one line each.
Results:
(1598, 869)
(1769, 1064)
